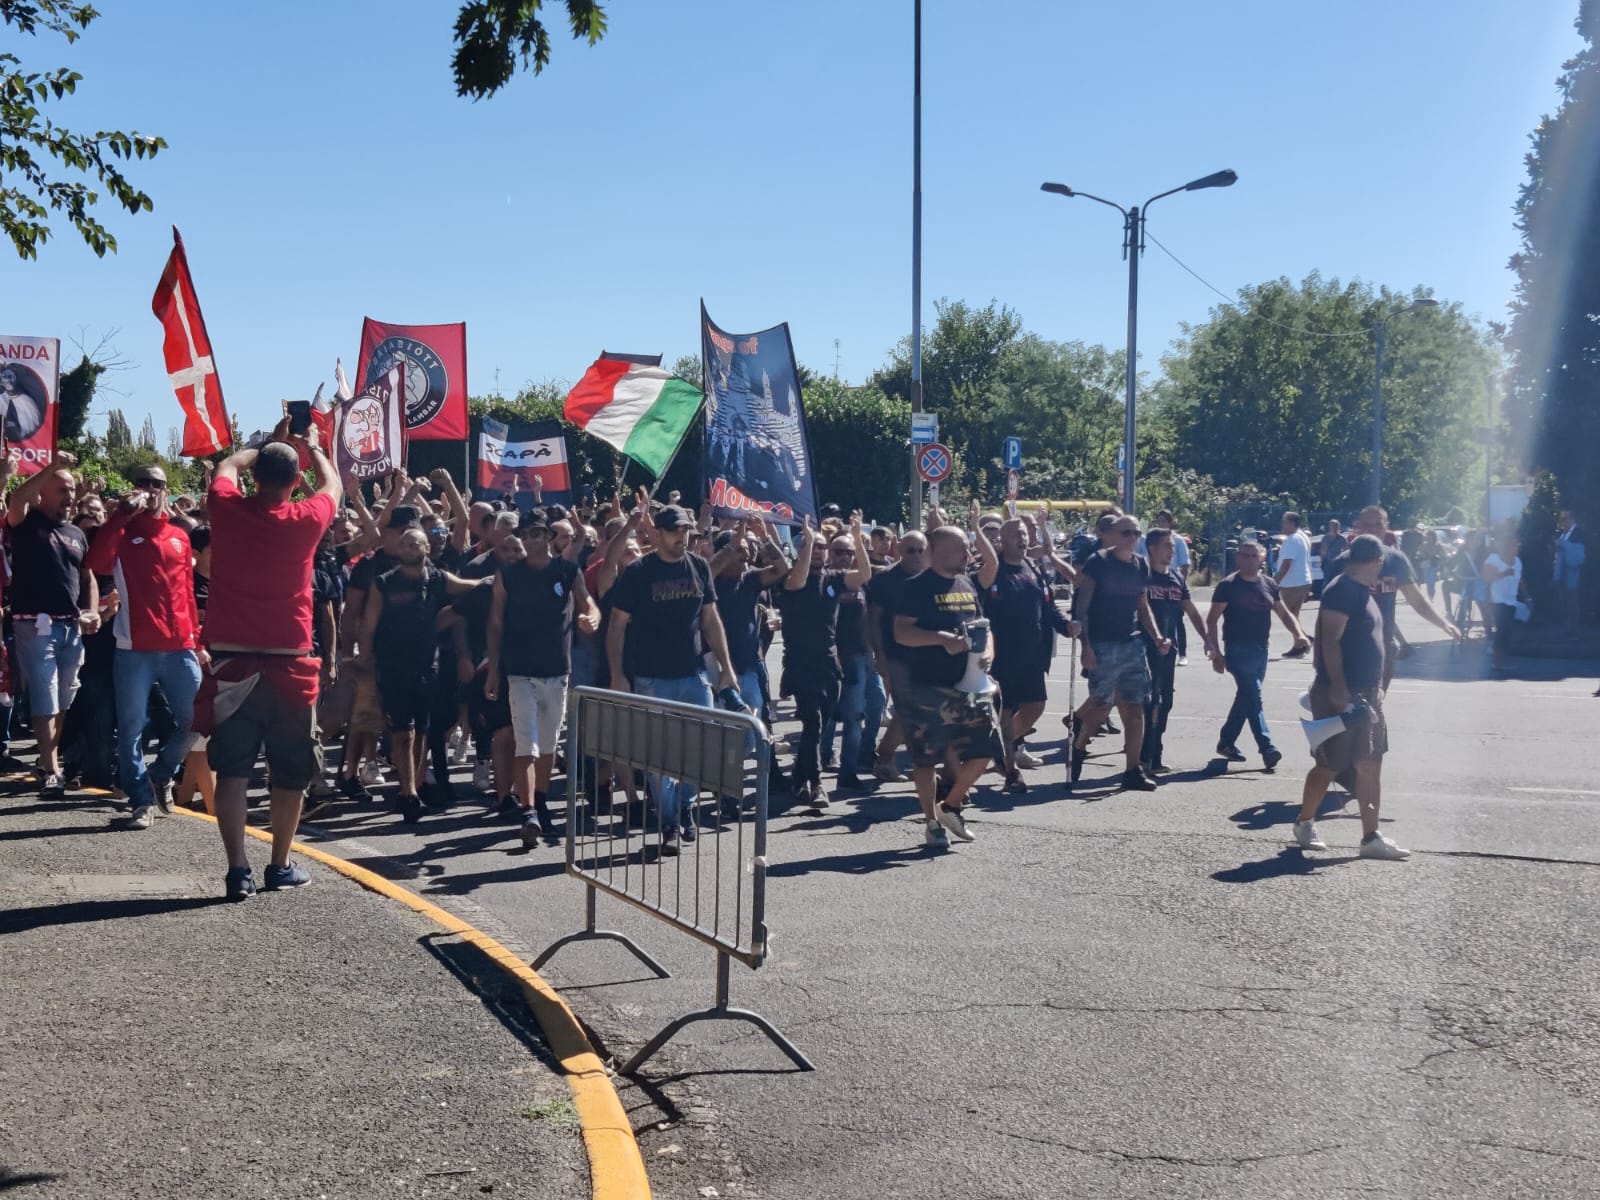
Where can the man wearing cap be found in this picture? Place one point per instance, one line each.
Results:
(261, 688)
(1350, 652)
(157, 627)
(664, 617)
(530, 659)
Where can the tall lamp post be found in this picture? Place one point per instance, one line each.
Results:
(1132, 248)
(1377, 397)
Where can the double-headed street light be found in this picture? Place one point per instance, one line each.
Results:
(1132, 248)
(1377, 396)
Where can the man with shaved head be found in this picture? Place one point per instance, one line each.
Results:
(261, 689)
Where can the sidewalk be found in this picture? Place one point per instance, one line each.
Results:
(156, 1041)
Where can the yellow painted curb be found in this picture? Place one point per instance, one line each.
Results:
(616, 1168)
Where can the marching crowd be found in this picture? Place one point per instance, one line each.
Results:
(421, 630)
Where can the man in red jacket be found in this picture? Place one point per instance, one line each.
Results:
(157, 629)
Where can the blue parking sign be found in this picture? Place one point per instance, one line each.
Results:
(1013, 455)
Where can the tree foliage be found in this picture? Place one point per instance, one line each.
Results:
(39, 158)
(1555, 331)
(74, 397)
(1277, 391)
(858, 448)
(492, 35)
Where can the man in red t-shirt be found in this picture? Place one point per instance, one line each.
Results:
(262, 687)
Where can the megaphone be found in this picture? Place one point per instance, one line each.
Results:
(976, 680)
(1320, 731)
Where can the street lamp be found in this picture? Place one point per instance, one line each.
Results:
(1132, 248)
(1377, 396)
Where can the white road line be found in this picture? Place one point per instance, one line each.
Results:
(1554, 791)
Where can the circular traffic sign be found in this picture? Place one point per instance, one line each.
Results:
(933, 462)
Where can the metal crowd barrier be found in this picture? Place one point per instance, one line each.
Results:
(715, 889)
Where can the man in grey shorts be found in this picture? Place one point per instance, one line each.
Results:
(1113, 604)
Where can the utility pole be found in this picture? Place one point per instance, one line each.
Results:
(916, 252)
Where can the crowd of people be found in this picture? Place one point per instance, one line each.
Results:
(416, 631)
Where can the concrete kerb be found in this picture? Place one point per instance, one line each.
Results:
(616, 1167)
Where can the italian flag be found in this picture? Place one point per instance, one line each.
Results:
(635, 404)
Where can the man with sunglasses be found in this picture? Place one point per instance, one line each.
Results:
(157, 629)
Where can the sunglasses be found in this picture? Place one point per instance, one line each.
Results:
(150, 482)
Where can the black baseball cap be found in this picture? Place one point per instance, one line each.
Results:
(404, 516)
(674, 517)
(534, 519)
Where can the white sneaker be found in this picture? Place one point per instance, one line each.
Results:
(1305, 833)
(1379, 846)
(1183, 660)
(1026, 761)
(934, 837)
(483, 776)
(370, 773)
(951, 819)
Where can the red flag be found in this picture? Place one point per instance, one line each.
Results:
(435, 360)
(188, 353)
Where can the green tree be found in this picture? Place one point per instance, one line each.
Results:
(857, 438)
(35, 151)
(1553, 406)
(491, 35)
(1277, 391)
(118, 435)
(74, 397)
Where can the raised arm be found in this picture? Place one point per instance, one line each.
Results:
(801, 568)
(988, 560)
(859, 575)
(461, 527)
(27, 495)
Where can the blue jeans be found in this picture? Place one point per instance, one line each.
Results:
(134, 673)
(750, 692)
(673, 797)
(1248, 666)
(861, 703)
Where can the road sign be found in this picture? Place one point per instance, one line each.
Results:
(1122, 461)
(1013, 454)
(933, 463)
(1013, 479)
(933, 495)
(924, 428)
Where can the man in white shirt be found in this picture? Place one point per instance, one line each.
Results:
(1294, 568)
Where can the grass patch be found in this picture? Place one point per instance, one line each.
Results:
(562, 1114)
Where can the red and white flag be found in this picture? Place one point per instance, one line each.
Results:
(190, 366)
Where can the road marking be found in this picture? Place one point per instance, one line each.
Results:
(1557, 791)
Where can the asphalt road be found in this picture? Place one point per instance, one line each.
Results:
(1121, 994)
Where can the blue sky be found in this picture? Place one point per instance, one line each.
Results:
(759, 154)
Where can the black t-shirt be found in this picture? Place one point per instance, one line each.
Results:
(884, 592)
(327, 587)
(663, 602)
(482, 567)
(1395, 573)
(202, 591)
(451, 559)
(369, 567)
(811, 622)
(1248, 619)
(1333, 547)
(1015, 604)
(407, 640)
(852, 621)
(1167, 592)
(1114, 608)
(1361, 643)
(937, 603)
(46, 566)
(738, 601)
(536, 638)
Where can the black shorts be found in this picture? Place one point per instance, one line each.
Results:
(287, 730)
(1020, 683)
(488, 717)
(1367, 741)
(407, 698)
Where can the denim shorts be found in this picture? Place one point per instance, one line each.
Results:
(1120, 673)
(49, 663)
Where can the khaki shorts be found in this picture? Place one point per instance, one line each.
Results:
(1294, 598)
(1365, 742)
(366, 710)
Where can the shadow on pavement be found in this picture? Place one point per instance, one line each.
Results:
(78, 912)
(1443, 662)
(1286, 812)
(852, 864)
(14, 1179)
(1288, 861)
(499, 994)
(17, 835)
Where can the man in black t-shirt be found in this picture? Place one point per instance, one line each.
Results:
(943, 724)
(743, 568)
(1395, 576)
(809, 603)
(663, 619)
(1113, 605)
(1244, 604)
(401, 625)
(54, 602)
(884, 591)
(530, 658)
(862, 698)
(360, 766)
(1350, 668)
(1169, 604)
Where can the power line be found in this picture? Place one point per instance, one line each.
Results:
(1234, 300)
